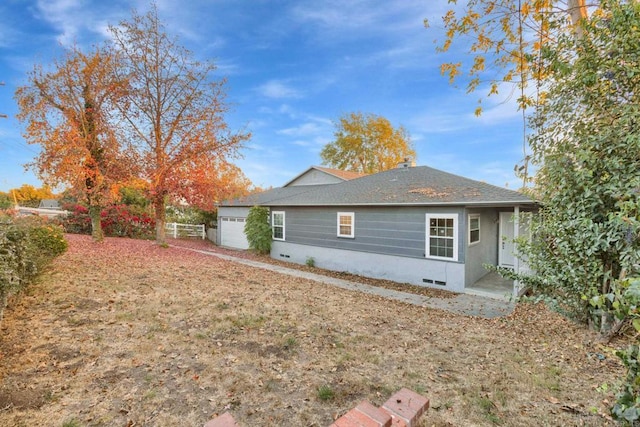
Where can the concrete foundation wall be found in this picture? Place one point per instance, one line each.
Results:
(415, 271)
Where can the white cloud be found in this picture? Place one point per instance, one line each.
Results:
(78, 22)
(226, 67)
(63, 14)
(499, 113)
(301, 143)
(436, 120)
(304, 129)
(314, 144)
(277, 89)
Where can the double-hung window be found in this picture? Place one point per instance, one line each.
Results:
(277, 225)
(442, 236)
(346, 224)
(474, 228)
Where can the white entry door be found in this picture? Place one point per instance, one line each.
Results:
(506, 249)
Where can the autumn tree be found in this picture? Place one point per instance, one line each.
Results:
(506, 41)
(134, 193)
(30, 196)
(66, 111)
(174, 112)
(585, 142)
(583, 132)
(206, 181)
(367, 144)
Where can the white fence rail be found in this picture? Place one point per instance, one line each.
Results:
(177, 230)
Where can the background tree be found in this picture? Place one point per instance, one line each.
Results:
(29, 196)
(207, 181)
(367, 144)
(174, 113)
(134, 192)
(6, 202)
(67, 113)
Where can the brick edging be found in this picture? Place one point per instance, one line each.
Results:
(403, 409)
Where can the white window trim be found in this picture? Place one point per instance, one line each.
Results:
(353, 224)
(273, 214)
(455, 235)
(474, 216)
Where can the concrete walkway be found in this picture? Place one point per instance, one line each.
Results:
(465, 304)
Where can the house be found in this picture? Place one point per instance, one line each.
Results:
(49, 204)
(232, 215)
(416, 225)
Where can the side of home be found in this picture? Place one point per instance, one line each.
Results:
(413, 225)
(232, 214)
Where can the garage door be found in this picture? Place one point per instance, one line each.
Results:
(232, 232)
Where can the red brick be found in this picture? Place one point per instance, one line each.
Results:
(406, 405)
(364, 415)
(224, 420)
(397, 422)
(380, 416)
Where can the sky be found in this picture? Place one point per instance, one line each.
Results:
(292, 67)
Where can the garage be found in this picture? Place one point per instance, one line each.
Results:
(232, 232)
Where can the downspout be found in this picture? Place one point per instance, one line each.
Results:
(516, 258)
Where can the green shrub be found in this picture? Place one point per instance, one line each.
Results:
(27, 246)
(15, 267)
(627, 406)
(47, 241)
(258, 230)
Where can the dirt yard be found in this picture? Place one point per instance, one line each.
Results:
(126, 333)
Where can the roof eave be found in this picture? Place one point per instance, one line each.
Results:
(456, 203)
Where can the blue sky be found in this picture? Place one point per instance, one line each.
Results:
(293, 67)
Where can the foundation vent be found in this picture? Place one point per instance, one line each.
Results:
(434, 282)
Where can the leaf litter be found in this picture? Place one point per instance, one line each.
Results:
(129, 333)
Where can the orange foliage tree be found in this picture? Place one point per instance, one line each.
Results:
(66, 111)
(175, 115)
(205, 181)
(506, 41)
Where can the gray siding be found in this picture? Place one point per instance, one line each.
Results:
(315, 177)
(485, 251)
(233, 211)
(381, 230)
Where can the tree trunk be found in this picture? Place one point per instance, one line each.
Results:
(96, 227)
(158, 205)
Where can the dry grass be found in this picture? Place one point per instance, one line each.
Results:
(126, 333)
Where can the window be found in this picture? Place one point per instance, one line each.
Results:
(474, 228)
(277, 225)
(346, 224)
(442, 236)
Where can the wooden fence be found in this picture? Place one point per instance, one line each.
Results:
(177, 230)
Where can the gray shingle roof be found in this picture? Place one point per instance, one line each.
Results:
(420, 185)
(337, 173)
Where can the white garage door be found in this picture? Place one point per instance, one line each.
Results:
(232, 232)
